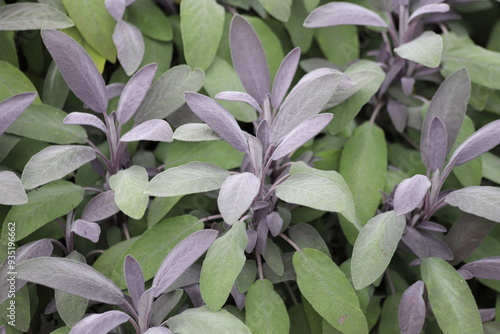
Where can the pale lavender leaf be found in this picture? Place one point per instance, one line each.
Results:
(114, 90)
(301, 134)
(252, 240)
(393, 72)
(72, 277)
(181, 257)
(284, 77)
(134, 278)
(77, 69)
(11, 189)
(407, 85)
(190, 276)
(488, 268)
(134, 92)
(411, 312)
(82, 118)
(274, 222)
(431, 226)
(438, 140)
(11, 108)
(152, 130)
(341, 13)
(218, 118)
(144, 307)
(410, 193)
(255, 152)
(465, 274)
(158, 330)
(398, 113)
(100, 323)
(437, 248)
(263, 133)
(249, 59)
(239, 298)
(415, 241)
(430, 8)
(262, 232)
(116, 8)
(315, 74)
(236, 194)
(3, 330)
(129, 46)
(487, 314)
(87, 230)
(260, 205)
(194, 294)
(239, 97)
(100, 207)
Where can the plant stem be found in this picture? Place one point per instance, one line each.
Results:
(376, 111)
(293, 244)
(210, 218)
(389, 281)
(290, 291)
(259, 265)
(92, 189)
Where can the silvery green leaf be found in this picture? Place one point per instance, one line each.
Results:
(129, 45)
(411, 312)
(425, 49)
(195, 132)
(272, 256)
(306, 236)
(376, 243)
(191, 178)
(152, 130)
(236, 194)
(284, 77)
(280, 9)
(77, 69)
(100, 323)
(134, 92)
(11, 189)
(428, 9)
(361, 80)
(55, 162)
(480, 201)
(410, 193)
(72, 277)
(129, 186)
(134, 278)
(100, 207)
(32, 16)
(11, 108)
(158, 330)
(340, 13)
(82, 118)
(87, 230)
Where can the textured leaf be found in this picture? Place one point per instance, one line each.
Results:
(329, 292)
(70, 276)
(412, 309)
(425, 49)
(100, 323)
(375, 246)
(236, 194)
(265, 310)
(100, 207)
(82, 118)
(152, 130)
(222, 265)
(488, 268)
(480, 201)
(191, 178)
(146, 16)
(410, 193)
(279, 9)
(305, 236)
(195, 132)
(54, 162)
(134, 278)
(450, 297)
(11, 189)
(129, 45)
(77, 69)
(116, 8)
(32, 16)
(429, 9)
(87, 230)
(284, 77)
(11, 108)
(129, 185)
(13, 81)
(437, 144)
(239, 97)
(340, 13)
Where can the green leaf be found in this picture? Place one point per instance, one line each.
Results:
(191, 178)
(221, 76)
(279, 9)
(150, 20)
(451, 300)
(7, 143)
(11, 189)
(425, 49)
(375, 246)
(108, 262)
(167, 94)
(13, 81)
(480, 201)
(311, 4)
(159, 208)
(44, 205)
(129, 185)
(389, 322)
(202, 320)
(265, 310)
(195, 132)
(247, 276)
(32, 16)
(222, 265)
(470, 173)
(272, 255)
(300, 35)
(22, 311)
(491, 166)
(305, 236)
(55, 89)
(364, 167)
(339, 44)
(202, 22)
(55, 162)
(325, 286)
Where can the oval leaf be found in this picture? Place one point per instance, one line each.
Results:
(134, 278)
(410, 193)
(425, 49)
(32, 16)
(284, 77)
(195, 132)
(488, 268)
(340, 13)
(428, 9)
(129, 46)
(100, 207)
(152, 130)
(437, 144)
(411, 312)
(236, 194)
(87, 230)
(82, 118)
(480, 201)
(11, 189)
(129, 185)
(11, 108)
(100, 323)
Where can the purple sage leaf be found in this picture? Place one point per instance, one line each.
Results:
(410, 193)
(100, 207)
(262, 232)
(487, 314)
(218, 118)
(249, 59)
(407, 85)
(134, 278)
(239, 97)
(87, 230)
(465, 274)
(11, 108)
(398, 113)
(428, 9)
(415, 242)
(284, 77)
(255, 152)
(129, 45)
(236, 195)
(274, 222)
(411, 312)
(437, 144)
(239, 298)
(152, 130)
(116, 8)
(100, 323)
(77, 69)
(252, 240)
(114, 90)
(436, 247)
(82, 118)
(431, 226)
(342, 13)
(488, 268)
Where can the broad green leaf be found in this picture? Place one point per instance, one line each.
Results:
(95, 24)
(480, 201)
(329, 292)
(364, 167)
(22, 312)
(8, 51)
(389, 316)
(311, 4)
(191, 178)
(236, 195)
(202, 320)
(272, 255)
(44, 205)
(55, 162)
(159, 208)
(222, 265)
(129, 185)
(247, 276)
(265, 310)
(150, 20)
(108, 262)
(347, 110)
(11, 189)
(55, 89)
(375, 246)
(425, 49)
(300, 35)
(305, 236)
(451, 300)
(32, 16)
(13, 81)
(167, 94)
(491, 166)
(221, 76)
(195, 132)
(494, 40)
(470, 173)
(7, 143)
(202, 22)
(339, 44)
(280, 9)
